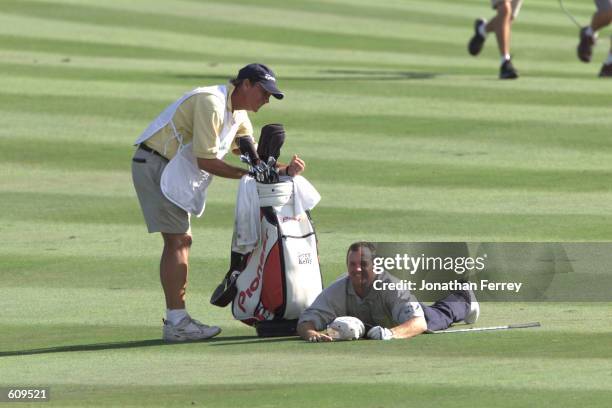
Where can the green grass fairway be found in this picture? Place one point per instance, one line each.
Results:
(406, 137)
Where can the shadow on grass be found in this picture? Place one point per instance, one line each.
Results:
(218, 341)
(359, 74)
(255, 340)
(333, 75)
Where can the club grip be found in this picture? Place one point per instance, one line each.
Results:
(524, 325)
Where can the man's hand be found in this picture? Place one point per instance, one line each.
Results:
(316, 337)
(296, 166)
(308, 332)
(380, 333)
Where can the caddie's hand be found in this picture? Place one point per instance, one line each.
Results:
(380, 333)
(316, 337)
(296, 166)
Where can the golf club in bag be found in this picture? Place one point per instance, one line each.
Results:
(274, 278)
(262, 162)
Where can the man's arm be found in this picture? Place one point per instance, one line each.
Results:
(405, 309)
(409, 328)
(326, 307)
(308, 332)
(295, 167)
(220, 168)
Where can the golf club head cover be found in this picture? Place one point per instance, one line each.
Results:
(270, 141)
(247, 148)
(380, 333)
(346, 328)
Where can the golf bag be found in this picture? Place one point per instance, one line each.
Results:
(271, 282)
(274, 270)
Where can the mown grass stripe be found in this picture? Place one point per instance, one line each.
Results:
(413, 66)
(207, 43)
(318, 14)
(433, 146)
(294, 36)
(72, 48)
(426, 197)
(397, 86)
(319, 104)
(517, 373)
(212, 14)
(452, 6)
(95, 210)
(353, 171)
(196, 26)
(389, 83)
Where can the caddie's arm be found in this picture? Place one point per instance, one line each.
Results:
(220, 168)
(308, 332)
(409, 328)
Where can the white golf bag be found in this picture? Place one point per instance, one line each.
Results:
(278, 276)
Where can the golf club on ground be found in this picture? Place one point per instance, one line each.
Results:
(479, 329)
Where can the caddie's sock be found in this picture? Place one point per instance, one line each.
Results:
(482, 29)
(505, 58)
(175, 315)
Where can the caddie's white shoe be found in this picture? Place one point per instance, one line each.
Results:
(474, 312)
(188, 329)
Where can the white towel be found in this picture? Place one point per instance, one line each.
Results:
(247, 225)
(305, 196)
(247, 228)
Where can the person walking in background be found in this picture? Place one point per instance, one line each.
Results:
(501, 24)
(588, 36)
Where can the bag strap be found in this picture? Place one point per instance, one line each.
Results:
(177, 136)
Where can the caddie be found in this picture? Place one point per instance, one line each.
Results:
(386, 314)
(176, 158)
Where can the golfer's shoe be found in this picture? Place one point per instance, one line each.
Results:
(477, 41)
(474, 312)
(507, 71)
(188, 329)
(606, 71)
(585, 46)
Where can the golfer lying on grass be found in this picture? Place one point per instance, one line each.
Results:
(389, 314)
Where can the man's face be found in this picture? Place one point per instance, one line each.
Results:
(256, 96)
(360, 270)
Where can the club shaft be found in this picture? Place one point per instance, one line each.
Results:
(568, 14)
(492, 328)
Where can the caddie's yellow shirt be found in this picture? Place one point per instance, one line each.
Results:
(200, 119)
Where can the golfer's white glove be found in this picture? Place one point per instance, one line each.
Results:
(380, 333)
(346, 328)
